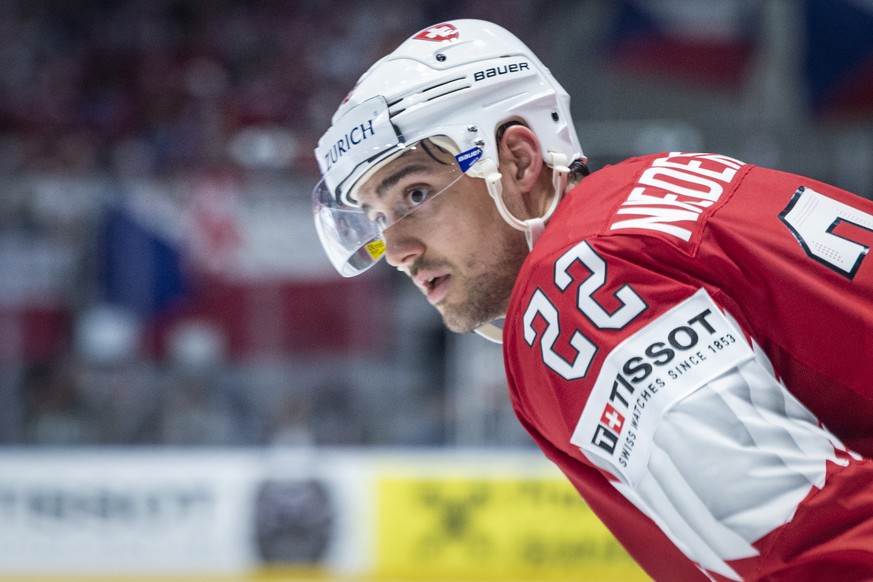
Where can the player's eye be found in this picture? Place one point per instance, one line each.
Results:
(416, 196)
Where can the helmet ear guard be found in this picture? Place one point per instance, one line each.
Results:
(532, 227)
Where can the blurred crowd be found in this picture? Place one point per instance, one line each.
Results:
(98, 98)
(186, 127)
(167, 85)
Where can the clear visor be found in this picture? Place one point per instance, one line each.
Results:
(353, 236)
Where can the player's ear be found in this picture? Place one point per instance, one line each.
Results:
(519, 154)
(525, 185)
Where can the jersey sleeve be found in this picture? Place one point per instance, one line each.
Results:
(648, 384)
(639, 535)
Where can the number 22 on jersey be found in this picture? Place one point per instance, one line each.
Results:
(631, 306)
(810, 216)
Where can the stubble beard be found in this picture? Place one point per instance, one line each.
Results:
(484, 295)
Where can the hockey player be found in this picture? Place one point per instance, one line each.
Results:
(687, 336)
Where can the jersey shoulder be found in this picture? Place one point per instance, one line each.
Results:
(668, 196)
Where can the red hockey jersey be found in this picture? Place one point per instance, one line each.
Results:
(691, 342)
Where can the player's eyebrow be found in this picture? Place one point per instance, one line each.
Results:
(392, 179)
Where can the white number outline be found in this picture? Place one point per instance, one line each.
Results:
(812, 217)
(632, 305)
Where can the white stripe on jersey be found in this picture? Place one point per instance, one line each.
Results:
(722, 454)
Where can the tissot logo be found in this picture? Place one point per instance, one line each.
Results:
(686, 348)
(633, 388)
(438, 33)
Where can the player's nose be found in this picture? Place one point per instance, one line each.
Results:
(402, 247)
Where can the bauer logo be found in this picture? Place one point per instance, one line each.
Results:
(438, 33)
(468, 158)
(501, 70)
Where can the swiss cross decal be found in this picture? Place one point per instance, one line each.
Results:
(612, 419)
(438, 33)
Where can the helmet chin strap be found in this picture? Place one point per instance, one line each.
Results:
(532, 227)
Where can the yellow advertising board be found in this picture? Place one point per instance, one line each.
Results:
(493, 528)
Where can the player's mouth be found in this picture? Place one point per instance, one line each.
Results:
(434, 286)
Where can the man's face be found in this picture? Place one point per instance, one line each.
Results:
(445, 232)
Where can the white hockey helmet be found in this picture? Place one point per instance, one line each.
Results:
(454, 83)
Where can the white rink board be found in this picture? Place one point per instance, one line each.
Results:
(294, 514)
(152, 511)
